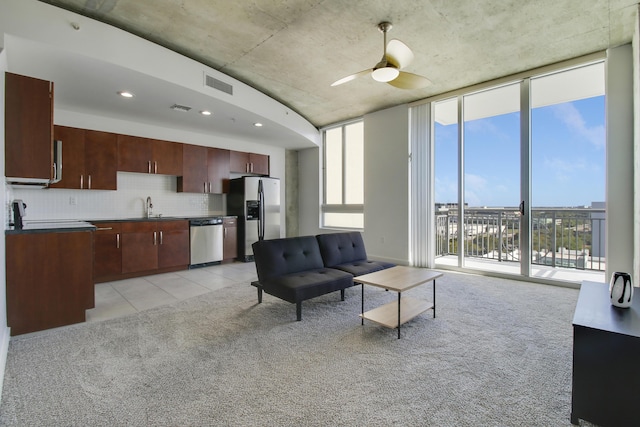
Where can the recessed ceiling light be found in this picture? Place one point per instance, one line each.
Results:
(125, 94)
(205, 113)
(258, 125)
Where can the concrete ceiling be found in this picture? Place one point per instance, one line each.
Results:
(292, 50)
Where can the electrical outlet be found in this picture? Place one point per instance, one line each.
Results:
(73, 201)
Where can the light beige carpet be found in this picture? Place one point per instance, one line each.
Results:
(498, 354)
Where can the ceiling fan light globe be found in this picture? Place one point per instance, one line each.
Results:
(385, 74)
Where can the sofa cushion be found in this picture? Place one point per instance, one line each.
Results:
(358, 268)
(279, 257)
(308, 284)
(346, 252)
(341, 248)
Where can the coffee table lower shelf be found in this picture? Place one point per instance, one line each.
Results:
(387, 315)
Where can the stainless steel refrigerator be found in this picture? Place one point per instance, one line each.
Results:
(256, 202)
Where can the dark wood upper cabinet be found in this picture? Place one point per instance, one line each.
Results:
(218, 169)
(101, 160)
(72, 156)
(144, 155)
(28, 127)
(259, 164)
(89, 159)
(167, 157)
(241, 162)
(194, 169)
(134, 154)
(205, 169)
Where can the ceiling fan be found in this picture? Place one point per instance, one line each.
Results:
(396, 56)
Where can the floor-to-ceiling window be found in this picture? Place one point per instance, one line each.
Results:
(343, 195)
(520, 185)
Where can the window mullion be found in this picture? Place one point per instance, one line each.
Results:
(344, 164)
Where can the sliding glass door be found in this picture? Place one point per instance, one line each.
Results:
(520, 184)
(491, 187)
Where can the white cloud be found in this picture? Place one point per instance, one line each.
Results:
(572, 118)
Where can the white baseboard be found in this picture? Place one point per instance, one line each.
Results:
(4, 351)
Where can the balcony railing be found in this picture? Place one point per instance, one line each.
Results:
(560, 237)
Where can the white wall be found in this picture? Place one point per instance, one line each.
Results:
(386, 184)
(309, 197)
(620, 178)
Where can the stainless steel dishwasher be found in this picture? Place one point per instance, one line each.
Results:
(206, 241)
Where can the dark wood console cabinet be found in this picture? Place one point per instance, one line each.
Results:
(606, 371)
(49, 279)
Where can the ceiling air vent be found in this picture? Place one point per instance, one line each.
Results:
(218, 84)
(179, 107)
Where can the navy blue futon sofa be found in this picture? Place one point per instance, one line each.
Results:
(299, 268)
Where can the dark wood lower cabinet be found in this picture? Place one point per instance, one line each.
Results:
(49, 279)
(107, 256)
(230, 236)
(173, 248)
(137, 248)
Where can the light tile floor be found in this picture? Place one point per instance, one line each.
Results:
(123, 297)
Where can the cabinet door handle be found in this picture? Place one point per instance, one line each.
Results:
(118, 241)
(209, 186)
(149, 165)
(89, 187)
(81, 182)
(205, 187)
(161, 238)
(155, 238)
(155, 167)
(251, 167)
(225, 233)
(104, 228)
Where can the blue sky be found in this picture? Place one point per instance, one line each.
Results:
(568, 157)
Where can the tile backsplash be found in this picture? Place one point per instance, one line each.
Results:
(129, 201)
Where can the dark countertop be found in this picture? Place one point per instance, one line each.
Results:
(161, 218)
(57, 226)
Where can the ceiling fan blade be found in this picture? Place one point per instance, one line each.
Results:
(399, 53)
(351, 77)
(409, 81)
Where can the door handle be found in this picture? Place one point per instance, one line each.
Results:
(89, 187)
(155, 238)
(81, 181)
(161, 239)
(118, 241)
(155, 167)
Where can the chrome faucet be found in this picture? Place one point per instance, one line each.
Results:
(149, 207)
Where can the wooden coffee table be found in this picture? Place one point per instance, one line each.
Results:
(398, 279)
